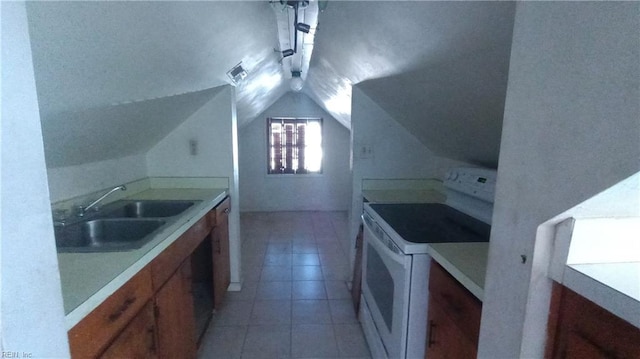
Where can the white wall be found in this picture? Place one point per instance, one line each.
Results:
(454, 107)
(210, 127)
(214, 127)
(328, 191)
(571, 129)
(396, 153)
(73, 181)
(32, 311)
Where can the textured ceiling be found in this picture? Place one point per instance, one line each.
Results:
(90, 56)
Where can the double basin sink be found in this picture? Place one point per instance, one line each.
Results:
(120, 226)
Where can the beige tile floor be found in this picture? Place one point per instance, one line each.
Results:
(294, 302)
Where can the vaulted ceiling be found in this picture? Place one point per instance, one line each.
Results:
(95, 61)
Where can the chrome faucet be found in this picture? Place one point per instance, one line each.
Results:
(83, 209)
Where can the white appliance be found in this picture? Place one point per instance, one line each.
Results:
(395, 273)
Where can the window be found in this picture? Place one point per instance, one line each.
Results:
(295, 145)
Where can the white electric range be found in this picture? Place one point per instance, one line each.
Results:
(396, 262)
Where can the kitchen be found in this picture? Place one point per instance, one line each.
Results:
(570, 95)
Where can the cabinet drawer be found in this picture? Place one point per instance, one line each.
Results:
(94, 333)
(456, 301)
(137, 340)
(165, 264)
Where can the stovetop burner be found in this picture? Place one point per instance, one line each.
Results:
(432, 223)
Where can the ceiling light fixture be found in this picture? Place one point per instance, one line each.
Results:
(297, 25)
(303, 20)
(287, 53)
(303, 27)
(296, 81)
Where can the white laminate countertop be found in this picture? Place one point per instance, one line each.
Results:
(613, 286)
(89, 278)
(466, 262)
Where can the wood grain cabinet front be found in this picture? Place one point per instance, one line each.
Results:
(453, 325)
(579, 328)
(138, 339)
(93, 334)
(175, 316)
(152, 315)
(166, 263)
(220, 249)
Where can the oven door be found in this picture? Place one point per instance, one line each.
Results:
(386, 276)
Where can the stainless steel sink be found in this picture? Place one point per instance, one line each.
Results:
(119, 226)
(146, 209)
(106, 235)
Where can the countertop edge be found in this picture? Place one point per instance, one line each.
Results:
(85, 308)
(603, 295)
(458, 274)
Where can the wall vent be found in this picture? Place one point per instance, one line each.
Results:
(237, 73)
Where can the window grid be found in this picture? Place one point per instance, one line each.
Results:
(289, 148)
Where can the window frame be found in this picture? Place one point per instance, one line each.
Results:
(269, 145)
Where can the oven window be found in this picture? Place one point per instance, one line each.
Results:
(380, 283)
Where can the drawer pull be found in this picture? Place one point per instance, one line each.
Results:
(123, 308)
(226, 210)
(432, 328)
(151, 331)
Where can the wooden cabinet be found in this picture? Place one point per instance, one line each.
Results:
(579, 328)
(152, 315)
(220, 249)
(93, 334)
(445, 339)
(138, 339)
(174, 316)
(166, 263)
(454, 314)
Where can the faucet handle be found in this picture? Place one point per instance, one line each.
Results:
(60, 217)
(79, 210)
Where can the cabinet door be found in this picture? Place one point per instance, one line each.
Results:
(444, 338)
(137, 340)
(174, 316)
(579, 328)
(93, 334)
(580, 348)
(220, 248)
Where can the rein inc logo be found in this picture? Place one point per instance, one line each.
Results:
(16, 355)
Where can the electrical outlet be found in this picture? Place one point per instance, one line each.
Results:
(365, 151)
(193, 147)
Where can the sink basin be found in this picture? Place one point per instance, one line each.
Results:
(106, 235)
(147, 209)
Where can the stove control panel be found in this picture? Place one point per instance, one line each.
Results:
(476, 182)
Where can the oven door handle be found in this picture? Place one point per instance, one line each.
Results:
(378, 243)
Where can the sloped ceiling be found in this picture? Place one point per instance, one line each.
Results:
(362, 40)
(455, 108)
(105, 132)
(97, 53)
(90, 56)
(102, 66)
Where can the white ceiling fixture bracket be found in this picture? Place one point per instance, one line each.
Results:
(297, 23)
